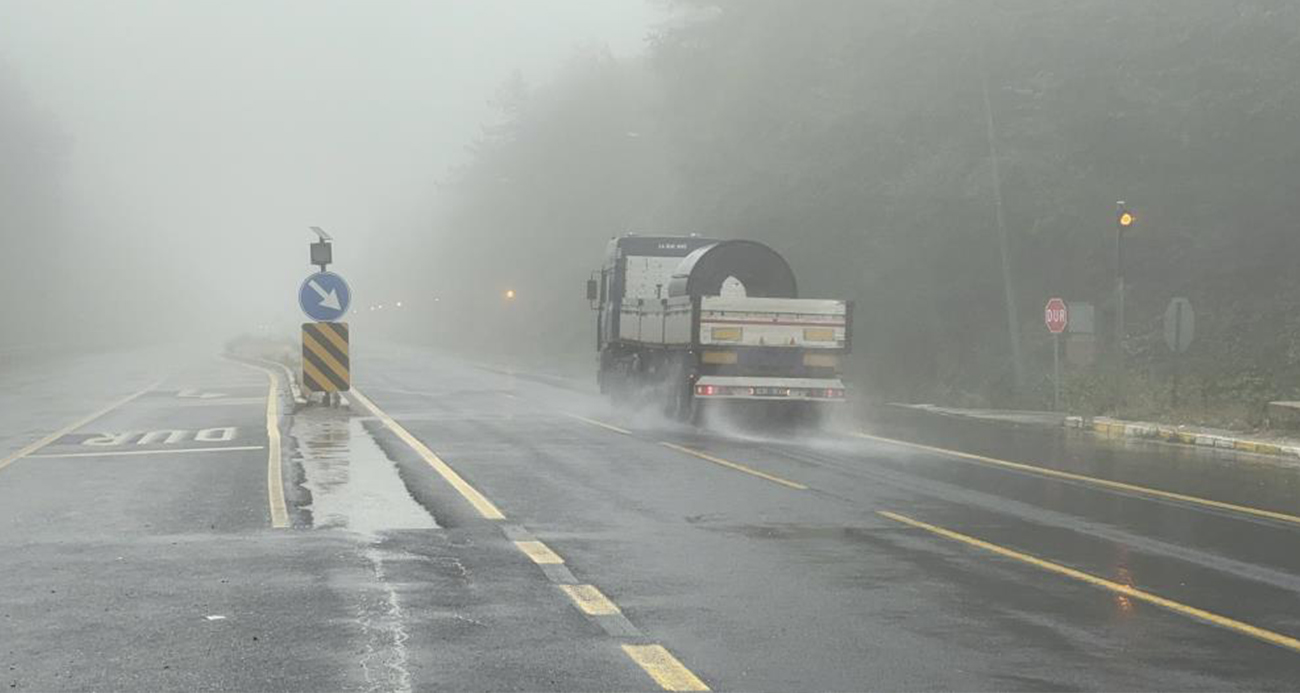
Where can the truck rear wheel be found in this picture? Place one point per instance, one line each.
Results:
(682, 404)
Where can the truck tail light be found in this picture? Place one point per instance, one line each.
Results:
(706, 390)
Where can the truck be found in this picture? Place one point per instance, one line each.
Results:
(687, 324)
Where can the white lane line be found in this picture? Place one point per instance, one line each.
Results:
(124, 453)
(27, 451)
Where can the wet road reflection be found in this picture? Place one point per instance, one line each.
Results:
(353, 485)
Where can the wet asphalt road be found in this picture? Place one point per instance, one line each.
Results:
(758, 561)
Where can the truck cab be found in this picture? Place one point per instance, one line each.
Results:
(639, 269)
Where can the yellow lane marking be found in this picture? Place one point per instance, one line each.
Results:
(71, 427)
(124, 453)
(274, 474)
(602, 424)
(469, 493)
(539, 552)
(590, 600)
(1119, 588)
(1105, 483)
(737, 467)
(663, 667)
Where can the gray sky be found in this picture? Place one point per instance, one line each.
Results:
(203, 136)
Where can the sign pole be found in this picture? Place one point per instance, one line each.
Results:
(1180, 326)
(1056, 315)
(1056, 372)
(1178, 331)
(1123, 221)
(325, 298)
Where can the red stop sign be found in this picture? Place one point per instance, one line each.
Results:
(1056, 315)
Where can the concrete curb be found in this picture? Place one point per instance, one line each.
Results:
(1115, 428)
(295, 391)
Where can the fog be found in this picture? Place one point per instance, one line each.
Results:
(946, 165)
(163, 160)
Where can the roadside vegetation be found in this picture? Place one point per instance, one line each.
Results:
(860, 138)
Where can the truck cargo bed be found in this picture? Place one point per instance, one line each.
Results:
(736, 322)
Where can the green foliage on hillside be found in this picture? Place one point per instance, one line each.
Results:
(852, 135)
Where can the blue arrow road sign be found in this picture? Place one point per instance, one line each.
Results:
(324, 297)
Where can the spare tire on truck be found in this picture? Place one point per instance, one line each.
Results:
(759, 269)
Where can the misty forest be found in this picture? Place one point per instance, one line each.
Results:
(946, 165)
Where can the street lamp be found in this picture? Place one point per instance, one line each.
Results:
(510, 294)
(1124, 220)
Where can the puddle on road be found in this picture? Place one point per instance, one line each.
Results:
(353, 484)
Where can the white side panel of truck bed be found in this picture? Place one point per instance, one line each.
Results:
(737, 321)
(791, 322)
